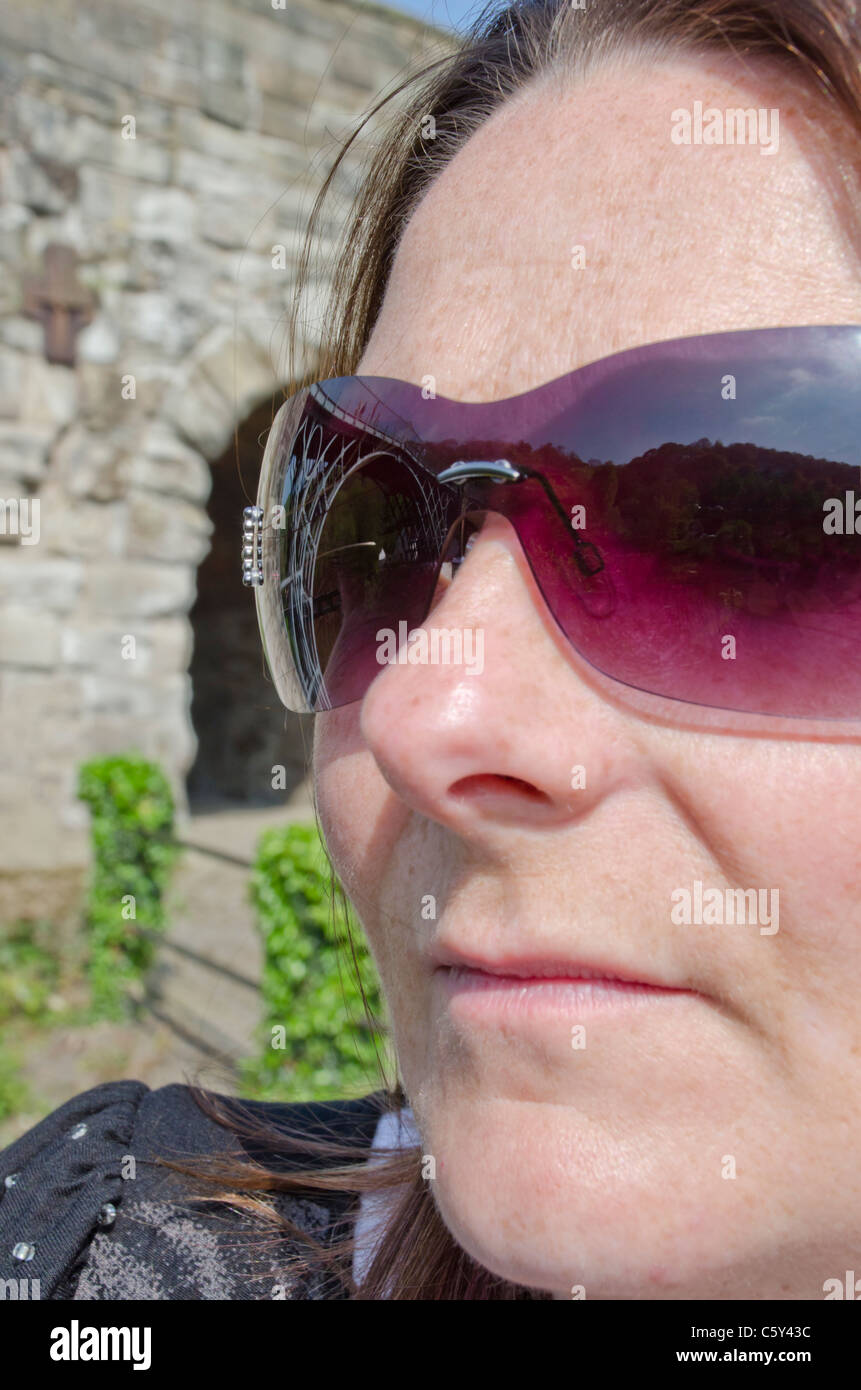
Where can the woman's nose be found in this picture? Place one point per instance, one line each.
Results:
(484, 718)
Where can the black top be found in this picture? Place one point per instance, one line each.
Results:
(80, 1217)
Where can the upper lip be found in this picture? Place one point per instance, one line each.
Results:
(539, 965)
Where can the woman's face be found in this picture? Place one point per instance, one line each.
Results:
(704, 1140)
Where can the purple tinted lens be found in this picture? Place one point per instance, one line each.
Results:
(688, 517)
(377, 568)
(719, 586)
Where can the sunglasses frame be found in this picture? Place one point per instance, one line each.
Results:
(479, 482)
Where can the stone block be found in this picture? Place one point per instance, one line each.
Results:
(12, 366)
(226, 223)
(256, 277)
(161, 463)
(76, 526)
(74, 89)
(168, 80)
(214, 141)
(140, 158)
(169, 321)
(279, 76)
(93, 643)
(49, 393)
(164, 214)
(67, 227)
(26, 335)
(161, 647)
(223, 102)
(44, 892)
(153, 265)
(99, 342)
(52, 787)
(277, 28)
(106, 202)
(168, 646)
(29, 638)
(150, 717)
(153, 375)
(120, 693)
(283, 119)
(131, 588)
(41, 713)
(11, 294)
(26, 181)
(197, 275)
(223, 92)
(24, 452)
(90, 464)
(98, 46)
(102, 406)
(228, 180)
(106, 277)
(268, 331)
(237, 368)
(200, 413)
(59, 137)
(28, 576)
(351, 73)
(169, 529)
(294, 60)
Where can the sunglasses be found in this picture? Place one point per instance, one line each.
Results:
(687, 510)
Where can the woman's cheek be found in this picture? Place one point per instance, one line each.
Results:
(357, 810)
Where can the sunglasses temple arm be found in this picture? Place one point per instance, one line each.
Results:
(588, 556)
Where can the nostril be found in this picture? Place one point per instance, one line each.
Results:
(494, 784)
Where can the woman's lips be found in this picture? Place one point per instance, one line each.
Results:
(479, 992)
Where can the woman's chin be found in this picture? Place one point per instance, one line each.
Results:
(579, 1212)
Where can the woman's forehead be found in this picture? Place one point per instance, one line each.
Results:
(572, 225)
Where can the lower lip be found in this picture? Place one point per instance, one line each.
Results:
(479, 994)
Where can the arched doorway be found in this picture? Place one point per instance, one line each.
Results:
(243, 731)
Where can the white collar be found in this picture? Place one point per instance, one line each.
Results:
(395, 1129)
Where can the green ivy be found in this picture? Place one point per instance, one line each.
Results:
(132, 813)
(316, 1040)
(29, 974)
(14, 1093)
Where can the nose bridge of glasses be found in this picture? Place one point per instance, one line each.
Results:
(468, 475)
(492, 470)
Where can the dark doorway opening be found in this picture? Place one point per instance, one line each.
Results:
(243, 731)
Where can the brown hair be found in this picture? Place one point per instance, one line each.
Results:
(504, 50)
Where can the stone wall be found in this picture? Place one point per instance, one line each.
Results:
(237, 110)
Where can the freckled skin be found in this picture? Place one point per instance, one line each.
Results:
(602, 1167)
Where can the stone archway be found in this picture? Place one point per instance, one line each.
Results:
(242, 730)
(187, 237)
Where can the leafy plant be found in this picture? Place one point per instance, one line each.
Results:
(132, 816)
(28, 975)
(36, 970)
(316, 1039)
(14, 1093)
